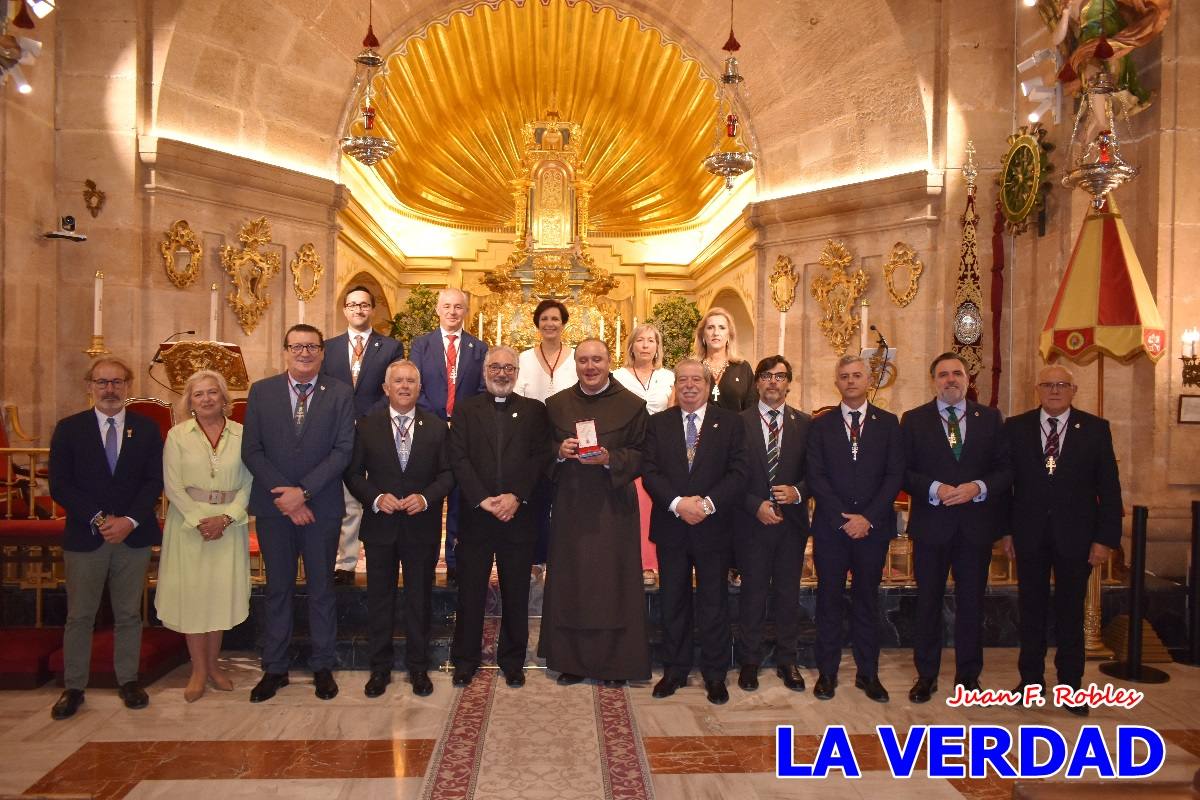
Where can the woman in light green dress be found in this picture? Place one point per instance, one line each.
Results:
(204, 572)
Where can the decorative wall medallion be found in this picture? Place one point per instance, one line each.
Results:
(902, 257)
(968, 324)
(837, 292)
(250, 272)
(1023, 167)
(93, 198)
(305, 261)
(783, 284)
(181, 254)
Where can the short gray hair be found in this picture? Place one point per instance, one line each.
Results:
(708, 376)
(185, 402)
(846, 360)
(401, 362)
(501, 348)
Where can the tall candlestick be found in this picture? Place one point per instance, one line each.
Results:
(212, 314)
(782, 330)
(618, 347)
(300, 311)
(479, 327)
(98, 305)
(499, 329)
(601, 328)
(864, 324)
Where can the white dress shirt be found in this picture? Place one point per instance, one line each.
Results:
(764, 414)
(1044, 418)
(699, 412)
(118, 423)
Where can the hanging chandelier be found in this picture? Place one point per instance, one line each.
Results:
(1096, 163)
(730, 157)
(361, 141)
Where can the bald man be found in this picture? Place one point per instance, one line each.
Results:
(1066, 518)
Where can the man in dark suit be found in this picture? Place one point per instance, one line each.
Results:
(297, 441)
(694, 469)
(359, 357)
(772, 526)
(957, 470)
(855, 468)
(1066, 518)
(451, 365)
(106, 471)
(400, 472)
(499, 445)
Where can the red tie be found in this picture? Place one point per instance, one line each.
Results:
(451, 370)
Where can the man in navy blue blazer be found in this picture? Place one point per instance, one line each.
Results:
(359, 358)
(451, 364)
(297, 441)
(106, 471)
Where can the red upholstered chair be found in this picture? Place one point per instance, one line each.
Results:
(158, 410)
(237, 410)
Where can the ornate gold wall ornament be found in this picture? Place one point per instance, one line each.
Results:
(93, 198)
(180, 241)
(306, 260)
(837, 292)
(250, 271)
(902, 256)
(783, 284)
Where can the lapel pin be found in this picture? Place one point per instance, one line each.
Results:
(420, 422)
(128, 433)
(471, 345)
(377, 344)
(514, 415)
(874, 417)
(977, 413)
(1076, 426)
(716, 424)
(322, 387)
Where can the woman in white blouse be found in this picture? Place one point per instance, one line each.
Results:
(643, 374)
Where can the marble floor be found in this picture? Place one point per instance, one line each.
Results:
(541, 741)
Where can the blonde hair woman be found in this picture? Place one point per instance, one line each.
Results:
(643, 374)
(716, 345)
(204, 572)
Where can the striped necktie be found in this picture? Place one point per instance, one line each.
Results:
(403, 443)
(772, 446)
(690, 438)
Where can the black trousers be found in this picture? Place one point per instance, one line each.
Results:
(385, 558)
(932, 563)
(1035, 561)
(834, 555)
(513, 560)
(675, 565)
(771, 559)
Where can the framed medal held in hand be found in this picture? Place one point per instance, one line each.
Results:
(589, 444)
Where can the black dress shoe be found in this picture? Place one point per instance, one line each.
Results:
(270, 683)
(377, 684)
(67, 704)
(422, 686)
(134, 695)
(343, 577)
(667, 686)
(462, 677)
(614, 684)
(1020, 690)
(968, 684)
(716, 692)
(569, 679)
(791, 676)
(515, 679)
(826, 687)
(872, 688)
(748, 677)
(1080, 710)
(324, 684)
(922, 690)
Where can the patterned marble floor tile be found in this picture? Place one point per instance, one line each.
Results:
(356, 789)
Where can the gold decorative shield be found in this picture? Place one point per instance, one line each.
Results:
(184, 359)
(837, 293)
(306, 260)
(181, 242)
(250, 272)
(902, 257)
(783, 284)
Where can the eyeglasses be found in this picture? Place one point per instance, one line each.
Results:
(297, 349)
(774, 377)
(358, 306)
(1061, 386)
(107, 383)
(496, 369)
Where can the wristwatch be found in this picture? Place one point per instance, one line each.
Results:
(307, 494)
(708, 507)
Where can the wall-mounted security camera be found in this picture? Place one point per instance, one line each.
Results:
(66, 230)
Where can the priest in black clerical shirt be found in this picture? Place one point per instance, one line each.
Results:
(498, 449)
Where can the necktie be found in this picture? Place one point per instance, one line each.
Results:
(301, 405)
(403, 445)
(356, 362)
(1052, 439)
(772, 446)
(954, 434)
(110, 445)
(690, 437)
(855, 432)
(451, 373)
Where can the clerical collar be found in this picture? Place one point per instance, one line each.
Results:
(499, 399)
(601, 390)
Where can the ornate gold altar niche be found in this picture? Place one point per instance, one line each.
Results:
(551, 261)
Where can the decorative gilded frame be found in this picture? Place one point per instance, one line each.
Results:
(181, 238)
(837, 292)
(902, 256)
(783, 282)
(250, 271)
(306, 259)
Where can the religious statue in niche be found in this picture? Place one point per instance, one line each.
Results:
(250, 271)
(837, 292)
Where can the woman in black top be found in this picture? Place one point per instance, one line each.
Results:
(716, 346)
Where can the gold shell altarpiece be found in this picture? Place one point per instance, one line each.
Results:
(250, 271)
(837, 292)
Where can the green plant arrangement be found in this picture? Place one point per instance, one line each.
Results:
(677, 318)
(418, 317)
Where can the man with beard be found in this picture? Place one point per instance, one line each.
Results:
(400, 472)
(956, 469)
(695, 472)
(498, 446)
(593, 613)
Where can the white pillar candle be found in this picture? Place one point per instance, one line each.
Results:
(299, 311)
(212, 314)
(601, 328)
(782, 330)
(98, 305)
(499, 329)
(635, 323)
(864, 326)
(618, 341)
(479, 327)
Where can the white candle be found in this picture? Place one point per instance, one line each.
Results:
(601, 328)
(618, 348)
(98, 305)
(782, 330)
(299, 311)
(479, 327)
(212, 314)
(499, 329)
(865, 321)
(635, 323)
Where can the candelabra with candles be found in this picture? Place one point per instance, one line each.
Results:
(1191, 364)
